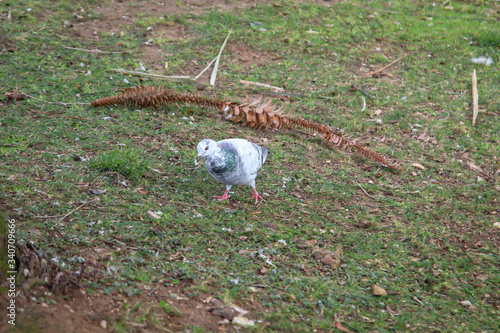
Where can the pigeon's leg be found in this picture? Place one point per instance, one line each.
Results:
(225, 196)
(256, 196)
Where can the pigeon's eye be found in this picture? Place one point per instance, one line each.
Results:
(206, 148)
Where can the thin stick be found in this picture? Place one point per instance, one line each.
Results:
(381, 69)
(361, 91)
(262, 85)
(475, 98)
(47, 217)
(203, 71)
(149, 74)
(91, 51)
(371, 196)
(432, 85)
(216, 66)
(57, 103)
(58, 115)
(74, 210)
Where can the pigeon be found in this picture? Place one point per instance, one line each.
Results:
(233, 162)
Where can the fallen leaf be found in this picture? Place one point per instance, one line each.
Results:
(364, 224)
(342, 328)
(153, 215)
(474, 167)
(311, 242)
(465, 303)
(418, 166)
(482, 277)
(422, 136)
(379, 291)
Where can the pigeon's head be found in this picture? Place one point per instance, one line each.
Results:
(205, 147)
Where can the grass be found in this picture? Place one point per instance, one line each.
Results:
(128, 163)
(425, 235)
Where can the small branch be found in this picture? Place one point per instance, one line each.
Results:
(475, 98)
(149, 74)
(216, 66)
(432, 85)
(47, 217)
(381, 69)
(371, 196)
(93, 50)
(262, 85)
(74, 210)
(361, 91)
(57, 103)
(57, 115)
(203, 71)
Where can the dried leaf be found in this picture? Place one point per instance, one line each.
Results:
(342, 328)
(379, 291)
(418, 166)
(153, 215)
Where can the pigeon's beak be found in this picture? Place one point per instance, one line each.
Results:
(199, 158)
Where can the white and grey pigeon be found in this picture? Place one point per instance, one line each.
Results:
(233, 162)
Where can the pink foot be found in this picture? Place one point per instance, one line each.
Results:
(256, 196)
(224, 197)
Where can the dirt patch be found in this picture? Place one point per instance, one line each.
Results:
(115, 15)
(46, 302)
(81, 311)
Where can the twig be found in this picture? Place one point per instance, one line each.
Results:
(432, 85)
(364, 104)
(262, 85)
(149, 74)
(203, 71)
(74, 210)
(216, 66)
(475, 97)
(371, 196)
(91, 51)
(361, 91)
(47, 217)
(381, 69)
(57, 103)
(58, 115)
